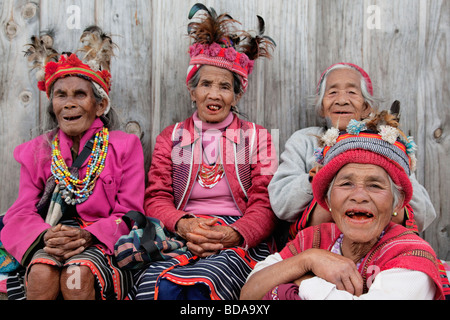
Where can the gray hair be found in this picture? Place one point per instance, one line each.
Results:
(371, 100)
(396, 191)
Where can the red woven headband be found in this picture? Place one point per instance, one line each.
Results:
(226, 58)
(71, 66)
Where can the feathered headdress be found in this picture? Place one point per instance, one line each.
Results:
(94, 65)
(219, 43)
(98, 48)
(40, 52)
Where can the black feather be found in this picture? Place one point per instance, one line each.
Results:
(197, 7)
(262, 25)
(395, 108)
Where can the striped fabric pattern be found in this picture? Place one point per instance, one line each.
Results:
(224, 273)
(112, 283)
(349, 142)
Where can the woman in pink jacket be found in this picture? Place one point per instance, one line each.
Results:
(76, 182)
(209, 176)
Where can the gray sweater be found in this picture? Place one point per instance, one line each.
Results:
(290, 191)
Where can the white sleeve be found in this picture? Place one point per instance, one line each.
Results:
(393, 284)
(290, 191)
(424, 212)
(270, 260)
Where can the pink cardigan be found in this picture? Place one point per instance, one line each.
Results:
(171, 182)
(119, 189)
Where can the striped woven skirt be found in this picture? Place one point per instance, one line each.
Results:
(223, 274)
(112, 283)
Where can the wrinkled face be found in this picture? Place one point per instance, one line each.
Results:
(214, 94)
(75, 106)
(343, 99)
(361, 201)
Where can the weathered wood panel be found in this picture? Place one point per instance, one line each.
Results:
(403, 44)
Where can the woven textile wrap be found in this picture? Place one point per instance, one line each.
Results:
(147, 242)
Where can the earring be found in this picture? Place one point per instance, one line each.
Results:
(329, 209)
(394, 214)
(194, 105)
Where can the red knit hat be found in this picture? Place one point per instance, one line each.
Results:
(387, 148)
(323, 178)
(363, 73)
(71, 66)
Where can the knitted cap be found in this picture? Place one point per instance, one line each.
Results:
(387, 148)
(363, 73)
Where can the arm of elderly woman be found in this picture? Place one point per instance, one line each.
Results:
(329, 266)
(205, 237)
(63, 242)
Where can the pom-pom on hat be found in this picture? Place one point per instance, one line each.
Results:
(377, 141)
(217, 43)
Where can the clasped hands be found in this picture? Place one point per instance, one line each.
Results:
(204, 237)
(63, 242)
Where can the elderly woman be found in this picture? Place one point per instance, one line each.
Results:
(76, 182)
(363, 254)
(209, 175)
(344, 92)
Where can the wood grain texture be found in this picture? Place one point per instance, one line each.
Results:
(406, 55)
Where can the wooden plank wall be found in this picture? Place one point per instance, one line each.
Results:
(403, 44)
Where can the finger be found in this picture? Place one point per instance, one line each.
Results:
(209, 222)
(203, 250)
(65, 243)
(70, 254)
(358, 284)
(203, 236)
(212, 234)
(348, 286)
(57, 253)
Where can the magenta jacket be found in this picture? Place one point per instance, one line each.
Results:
(119, 189)
(249, 165)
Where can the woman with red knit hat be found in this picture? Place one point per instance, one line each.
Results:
(363, 184)
(344, 92)
(77, 180)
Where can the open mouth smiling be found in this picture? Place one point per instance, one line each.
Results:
(359, 215)
(72, 118)
(214, 107)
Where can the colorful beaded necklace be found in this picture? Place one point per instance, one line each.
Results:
(209, 176)
(72, 189)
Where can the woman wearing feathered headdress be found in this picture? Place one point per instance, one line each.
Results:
(209, 174)
(76, 181)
